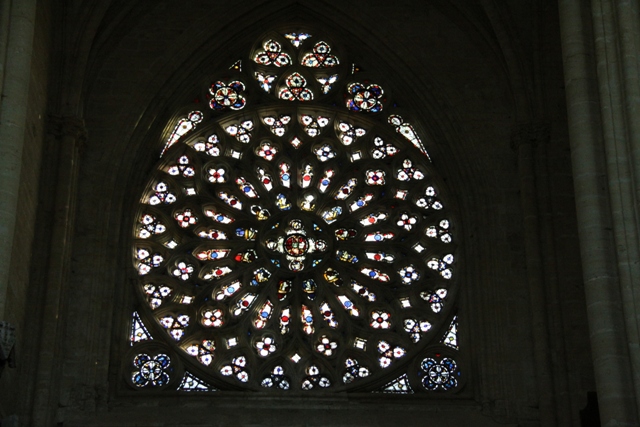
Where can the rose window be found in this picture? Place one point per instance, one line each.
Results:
(303, 246)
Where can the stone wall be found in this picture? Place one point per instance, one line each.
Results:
(477, 75)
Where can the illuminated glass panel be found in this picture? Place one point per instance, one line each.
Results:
(294, 235)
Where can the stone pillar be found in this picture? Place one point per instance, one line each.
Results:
(16, 72)
(69, 135)
(600, 53)
(524, 141)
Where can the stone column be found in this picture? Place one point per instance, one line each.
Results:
(524, 141)
(16, 72)
(69, 134)
(599, 43)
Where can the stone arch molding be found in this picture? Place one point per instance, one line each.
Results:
(294, 236)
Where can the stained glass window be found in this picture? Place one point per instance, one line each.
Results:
(286, 241)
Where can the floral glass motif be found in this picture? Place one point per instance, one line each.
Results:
(212, 318)
(227, 95)
(440, 231)
(175, 325)
(326, 346)
(211, 146)
(296, 89)
(415, 328)
(185, 218)
(241, 131)
(325, 152)
(442, 266)
(408, 172)
(389, 353)
(147, 261)
(149, 226)
(267, 151)
(354, 371)
(182, 167)
(314, 378)
(237, 369)
(265, 346)
(162, 195)
(380, 320)
(183, 270)
(320, 57)
(296, 39)
(151, 371)
(435, 299)
(382, 149)
(326, 83)
(278, 126)
(349, 134)
(439, 375)
(276, 379)
(203, 351)
(313, 125)
(429, 200)
(157, 294)
(375, 177)
(269, 240)
(265, 80)
(272, 55)
(364, 98)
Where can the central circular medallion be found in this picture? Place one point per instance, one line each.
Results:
(295, 242)
(296, 245)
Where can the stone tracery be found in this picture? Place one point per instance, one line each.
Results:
(329, 256)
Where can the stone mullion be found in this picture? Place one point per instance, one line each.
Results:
(618, 145)
(69, 134)
(524, 142)
(612, 367)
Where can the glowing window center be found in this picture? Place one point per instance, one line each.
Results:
(296, 245)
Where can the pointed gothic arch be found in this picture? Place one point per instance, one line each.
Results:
(294, 235)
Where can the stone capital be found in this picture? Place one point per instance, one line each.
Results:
(68, 127)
